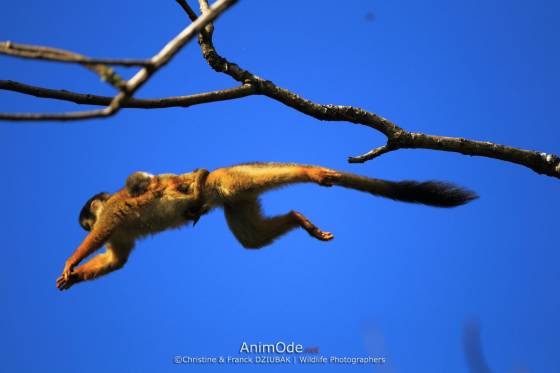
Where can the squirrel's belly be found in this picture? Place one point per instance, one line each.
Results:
(164, 214)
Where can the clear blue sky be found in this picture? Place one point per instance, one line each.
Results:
(398, 281)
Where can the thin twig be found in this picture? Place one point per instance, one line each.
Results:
(397, 137)
(28, 117)
(186, 7)
(106, 73)
(371, 154)
(147, 103)
(156, 62)
(38, 52)
(167, 52)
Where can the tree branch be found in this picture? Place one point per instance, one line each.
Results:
(371, 154)
(97, 66)
(38, 52)
(131, 86)
(542, 163)
(397, 137)
(137, 103)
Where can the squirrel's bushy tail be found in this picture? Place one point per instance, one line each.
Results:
(432, 193)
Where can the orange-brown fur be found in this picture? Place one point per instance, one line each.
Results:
(125, 218)
(170, 201)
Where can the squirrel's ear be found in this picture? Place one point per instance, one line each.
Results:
(95, 204)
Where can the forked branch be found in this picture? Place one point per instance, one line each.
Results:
(250, 84)
(128, 88)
